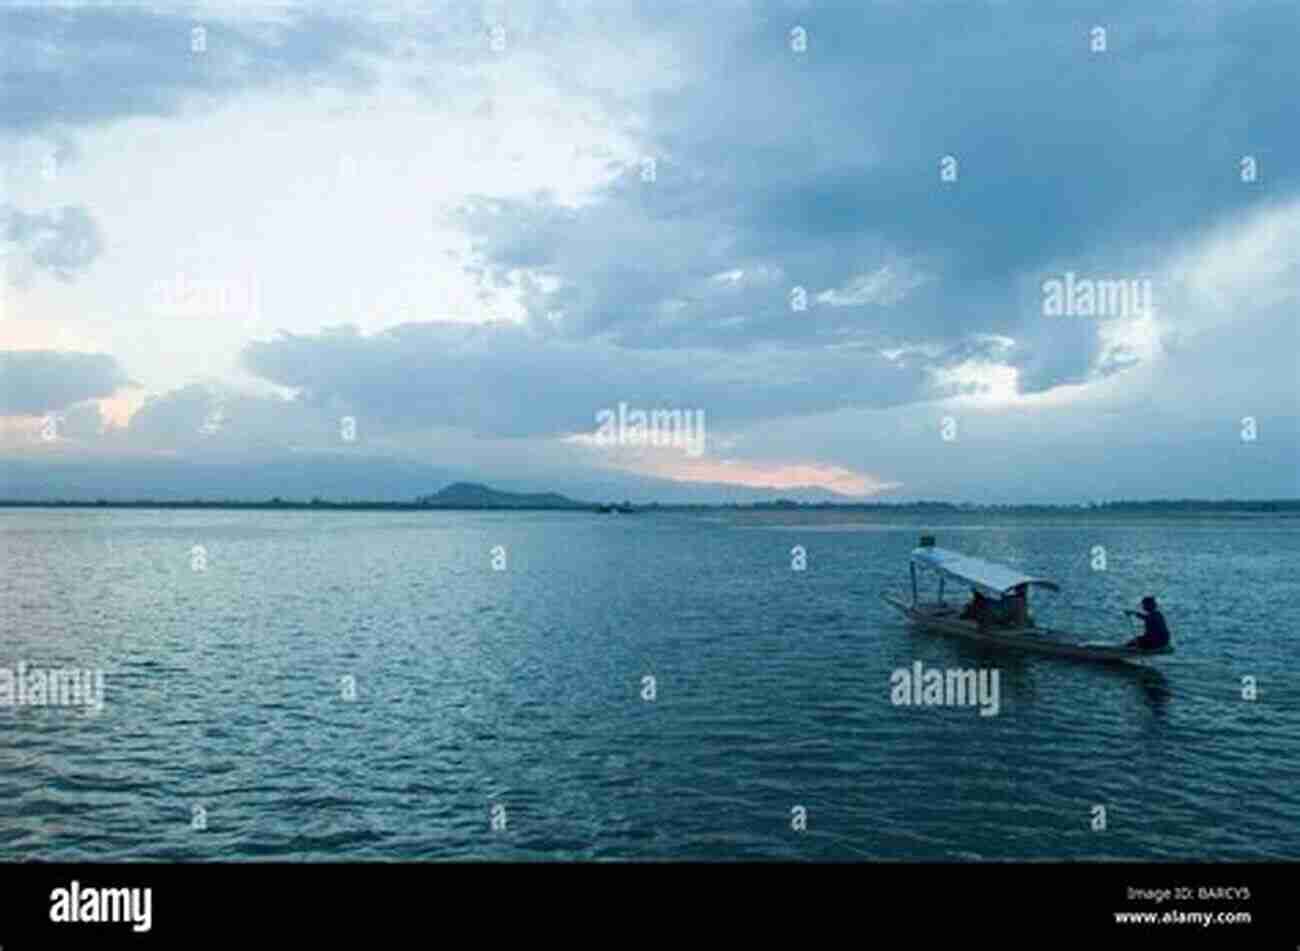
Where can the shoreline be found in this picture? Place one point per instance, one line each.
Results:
(758, 515)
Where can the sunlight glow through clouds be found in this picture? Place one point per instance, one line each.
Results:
(321, 205)
(1243, 264)
(759, 475)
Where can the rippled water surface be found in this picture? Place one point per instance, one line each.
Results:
(523, 689)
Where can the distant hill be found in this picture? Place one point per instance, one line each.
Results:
(472, 495)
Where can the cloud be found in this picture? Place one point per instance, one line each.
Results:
(39, 381)
(63, 243)
(97, 64)
(204, 419)
(503, 379)
(886, 286)
(813, 170)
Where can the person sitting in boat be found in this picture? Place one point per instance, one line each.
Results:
(978, 609)
(1155, 633)
(1016, 612)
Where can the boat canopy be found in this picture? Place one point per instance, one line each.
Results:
(987, 577)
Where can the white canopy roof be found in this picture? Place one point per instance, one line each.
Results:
(986, 577)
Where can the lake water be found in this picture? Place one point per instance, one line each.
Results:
(353, 685)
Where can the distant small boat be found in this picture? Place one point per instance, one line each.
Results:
(998, 584)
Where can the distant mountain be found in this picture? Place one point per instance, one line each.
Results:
(339, 477)
(345, 477)
(473, 495)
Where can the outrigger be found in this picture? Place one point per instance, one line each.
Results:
(1001, 617)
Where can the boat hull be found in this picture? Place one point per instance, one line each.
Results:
(1032, 639)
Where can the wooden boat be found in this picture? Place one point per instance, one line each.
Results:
(1006, 591)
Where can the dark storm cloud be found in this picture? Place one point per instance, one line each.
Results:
(819, 173)
(816, 169)
(39, 381)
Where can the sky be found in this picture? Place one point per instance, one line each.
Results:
(985, 251)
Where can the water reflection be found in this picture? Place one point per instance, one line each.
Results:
(1154, 686)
